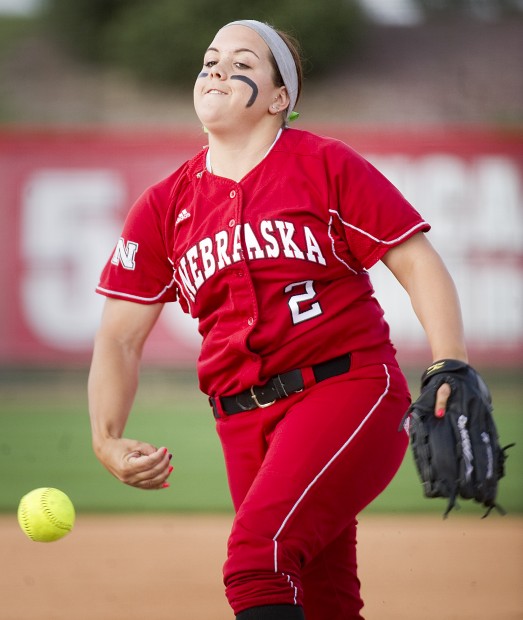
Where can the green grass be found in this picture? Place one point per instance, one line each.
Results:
(45, 441)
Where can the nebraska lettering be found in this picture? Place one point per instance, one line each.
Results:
(272, 240)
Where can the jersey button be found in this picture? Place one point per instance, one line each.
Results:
(250, 321)
(231, 223)
(232, 194)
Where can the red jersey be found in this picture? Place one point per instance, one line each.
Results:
(273, 266)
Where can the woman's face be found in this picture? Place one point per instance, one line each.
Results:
(236, 82)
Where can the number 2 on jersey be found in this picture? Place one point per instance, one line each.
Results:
(300, 309)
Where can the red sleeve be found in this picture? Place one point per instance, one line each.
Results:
(140, 269)
(374, 214)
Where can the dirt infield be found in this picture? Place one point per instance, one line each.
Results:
(169, 568)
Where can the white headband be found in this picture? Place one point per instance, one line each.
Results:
(282, 56)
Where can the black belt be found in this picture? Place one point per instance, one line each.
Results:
(278, 387)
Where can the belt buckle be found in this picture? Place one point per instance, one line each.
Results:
(258, 404)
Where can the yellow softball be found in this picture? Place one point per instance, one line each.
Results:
(46, 514)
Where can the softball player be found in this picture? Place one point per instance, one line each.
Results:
(266, 236)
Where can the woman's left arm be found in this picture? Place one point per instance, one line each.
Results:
(421, 271)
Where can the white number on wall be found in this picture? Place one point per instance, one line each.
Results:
(69, 227)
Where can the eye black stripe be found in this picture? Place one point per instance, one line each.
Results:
(252, 84)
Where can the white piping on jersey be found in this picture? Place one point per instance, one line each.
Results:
(326, 467)
(182, 290)
(292, 586)
(208, 164)
(334, 251)
(137, 297)
(364, 232)
(291, 583)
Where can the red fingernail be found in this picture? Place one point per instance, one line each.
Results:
(165, 450)
(171, 468)
(170, 456)
(165, 485)
(440, 413)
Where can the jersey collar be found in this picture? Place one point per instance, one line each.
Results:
(208, 164)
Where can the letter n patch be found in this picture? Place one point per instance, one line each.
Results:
(124, 254)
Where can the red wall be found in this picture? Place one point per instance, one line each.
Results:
(65, 194)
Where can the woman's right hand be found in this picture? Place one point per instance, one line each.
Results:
(135, 463)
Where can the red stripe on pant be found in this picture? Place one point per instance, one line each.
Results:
(299, 472)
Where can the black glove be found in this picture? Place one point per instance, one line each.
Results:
(458, 454)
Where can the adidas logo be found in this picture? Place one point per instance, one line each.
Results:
(183, 215)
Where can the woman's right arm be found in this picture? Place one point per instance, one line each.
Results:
(112, 385)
